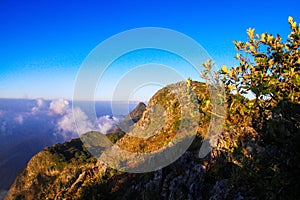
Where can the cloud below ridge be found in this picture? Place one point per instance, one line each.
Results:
(52, 118)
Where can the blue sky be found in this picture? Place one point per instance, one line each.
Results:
(43, 43)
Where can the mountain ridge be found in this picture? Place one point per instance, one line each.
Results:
(240, 166)
(48, 166)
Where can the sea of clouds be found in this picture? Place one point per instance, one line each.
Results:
(55, 117)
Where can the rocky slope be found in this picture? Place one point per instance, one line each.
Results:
(240, 166)
(60, 170)
(68, 171)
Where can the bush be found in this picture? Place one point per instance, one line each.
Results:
(266, 160)
(268, 68)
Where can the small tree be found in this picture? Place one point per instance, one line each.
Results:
(265, 160)
(269, 68)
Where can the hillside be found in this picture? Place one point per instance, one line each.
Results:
(243, 165)
(69, 170)
(59, 170)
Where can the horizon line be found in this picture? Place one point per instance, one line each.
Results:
(82, 100)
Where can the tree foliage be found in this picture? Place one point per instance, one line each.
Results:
(265, 159)
(268, 67)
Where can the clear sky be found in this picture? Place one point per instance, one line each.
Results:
(43, 43)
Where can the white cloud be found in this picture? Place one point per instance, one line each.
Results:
(39, 105)
(106, 122)
(40, 102)
(67, 127)
(35, 109)
(59, 106)
(83, 124)
(19, 119)
(56, 116)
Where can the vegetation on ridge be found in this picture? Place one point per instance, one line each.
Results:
(262, 136)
